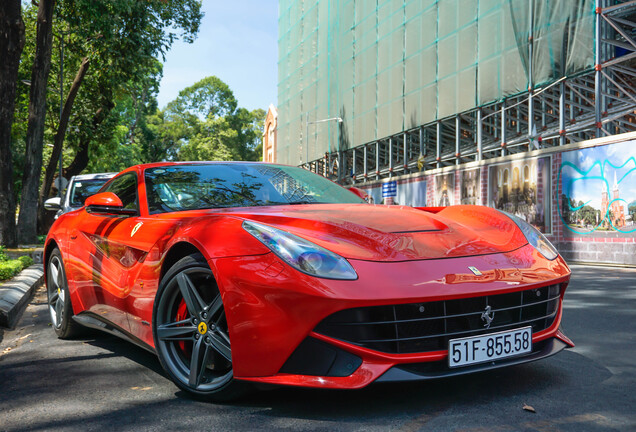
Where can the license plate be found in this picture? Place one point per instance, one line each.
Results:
(494, 346)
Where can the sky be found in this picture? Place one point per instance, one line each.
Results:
(238, 43)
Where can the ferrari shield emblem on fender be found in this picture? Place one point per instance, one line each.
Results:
(136, 228)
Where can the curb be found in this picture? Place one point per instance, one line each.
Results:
(16, 292)
(37, 253)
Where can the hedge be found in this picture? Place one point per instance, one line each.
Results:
(10, 268)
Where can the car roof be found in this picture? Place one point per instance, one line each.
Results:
(95, 176)
(162, 164)
(142, 167)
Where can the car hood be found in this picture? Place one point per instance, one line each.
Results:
(395, 233)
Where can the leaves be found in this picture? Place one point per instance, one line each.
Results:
(124, 42)
(204, 123)
(207, 98)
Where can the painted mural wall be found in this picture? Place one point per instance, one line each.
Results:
(519, 187)
(444, 190)
(583, 197)
(470, 187)
(598, 190)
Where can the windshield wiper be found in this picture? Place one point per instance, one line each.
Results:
(297, 202)
(217, 206)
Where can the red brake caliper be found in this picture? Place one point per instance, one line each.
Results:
(182, 313)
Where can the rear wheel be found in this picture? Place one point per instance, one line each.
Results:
(59, 299)
(191, 332)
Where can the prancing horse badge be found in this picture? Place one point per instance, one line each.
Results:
(136, 228)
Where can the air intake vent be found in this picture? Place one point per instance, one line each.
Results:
(421, 327)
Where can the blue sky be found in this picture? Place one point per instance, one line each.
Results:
(237, 42)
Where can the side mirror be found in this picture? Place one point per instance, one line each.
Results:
(53, 204)
(357, 191)
(107, 204)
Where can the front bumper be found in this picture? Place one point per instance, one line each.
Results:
(272, 309)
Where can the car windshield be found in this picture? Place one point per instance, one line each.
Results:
(219, 185)
(82, 189)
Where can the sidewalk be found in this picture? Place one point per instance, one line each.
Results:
(16, 292)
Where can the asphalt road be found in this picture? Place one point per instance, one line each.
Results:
(102, 383)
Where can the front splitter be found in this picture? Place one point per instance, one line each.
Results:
(440, 369)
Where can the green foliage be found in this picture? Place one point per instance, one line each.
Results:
(212, 141)
(26, 261)
(207, 98)
(115, 114)
(587, 214)
(10, 268)
(205, 123)
(123, 42)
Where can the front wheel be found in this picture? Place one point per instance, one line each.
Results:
(191, 332)
(59, 298)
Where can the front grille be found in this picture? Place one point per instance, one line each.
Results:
(428, 326)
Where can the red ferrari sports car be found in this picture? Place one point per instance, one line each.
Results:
(249, 272)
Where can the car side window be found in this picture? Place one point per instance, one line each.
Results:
(125, 187)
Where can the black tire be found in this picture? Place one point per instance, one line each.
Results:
(59, 298)
(191, 333)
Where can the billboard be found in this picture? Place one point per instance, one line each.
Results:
(522, 187)
(597, 191)
(470, 189)
(444, 190)
(405, 192)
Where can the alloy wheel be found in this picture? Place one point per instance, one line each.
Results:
(191, 331)
(56, 290)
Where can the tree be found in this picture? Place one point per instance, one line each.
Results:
(27, 220)
(588, 215)
(249, 126)
(207, 98)
(207, 124)
(11, 44)
(213, 141)
(118, 43)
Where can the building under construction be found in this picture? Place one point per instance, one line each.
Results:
(383, 88)
(528, 106)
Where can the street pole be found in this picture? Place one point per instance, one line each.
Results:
(59, 189)
(307, 136)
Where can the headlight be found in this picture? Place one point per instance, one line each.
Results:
(301, 254)
(534, 237)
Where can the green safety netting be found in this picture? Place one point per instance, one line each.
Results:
(389, 66)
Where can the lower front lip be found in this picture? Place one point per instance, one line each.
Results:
(390, 371)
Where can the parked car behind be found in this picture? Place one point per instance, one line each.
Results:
(79, 188)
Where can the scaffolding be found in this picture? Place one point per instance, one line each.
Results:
(578, 63)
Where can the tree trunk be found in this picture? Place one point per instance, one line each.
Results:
(81, 157)
(27, 220)
(11, 44)
(57, 145)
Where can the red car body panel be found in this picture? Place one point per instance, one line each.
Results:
(401, 255)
